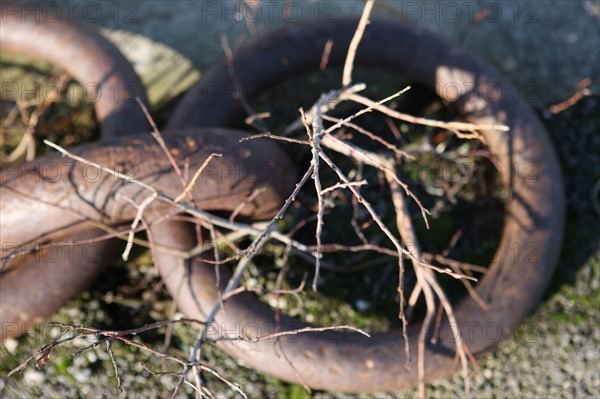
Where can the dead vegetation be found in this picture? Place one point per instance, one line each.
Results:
(324, 135)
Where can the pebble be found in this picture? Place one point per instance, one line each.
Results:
(362, 305)
(34, 377)
(11, 345)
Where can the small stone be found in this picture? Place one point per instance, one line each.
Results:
(91, 356)
(362, 305)
(82, 375)
(278, 302)
(34, 377)
(11, 345)
(251, 282)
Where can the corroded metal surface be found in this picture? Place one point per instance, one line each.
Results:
(107, 77)
(534, 211)
(333, 361)
(50, 277)
(76, 195)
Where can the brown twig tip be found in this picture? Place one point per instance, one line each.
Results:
(581, 91)
(255, 117)
(325, 55)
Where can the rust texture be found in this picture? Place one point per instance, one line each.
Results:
(330, 360)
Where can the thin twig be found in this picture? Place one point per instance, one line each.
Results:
(274, 137)
(199, 213)
(316, 150)
(255, 193)
(428, 283)
(235, 279)
(581, 91)
(123, 176)
(141, 208)
(115, 367)
(339, 185)
(325, 55)
(309, 329)
(190, 185)
(452, 126)
(358, 33)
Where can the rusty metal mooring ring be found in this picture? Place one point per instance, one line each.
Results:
(534, 211)
(69, 197)
(105, 74)
(43, 282)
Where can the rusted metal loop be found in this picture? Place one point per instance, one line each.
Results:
(512, 286)
(78, 196)
(70, 198)
(105, 74)
(47, 279)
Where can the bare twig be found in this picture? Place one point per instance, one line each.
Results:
(258, 123)
(325, 55)
(275, 137)
(452, 126)
(581, 91)
(203, 215)
(358, 33)
(115, 367)
(316, 150)
(373, 137)
(428, 283)
(190, 185)
(339, 185)
(141, 208)
(123, 176)
(310, 329)
(255, 193)
(334, 100)
(235, 279)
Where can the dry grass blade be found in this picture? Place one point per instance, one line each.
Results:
(27, 143)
